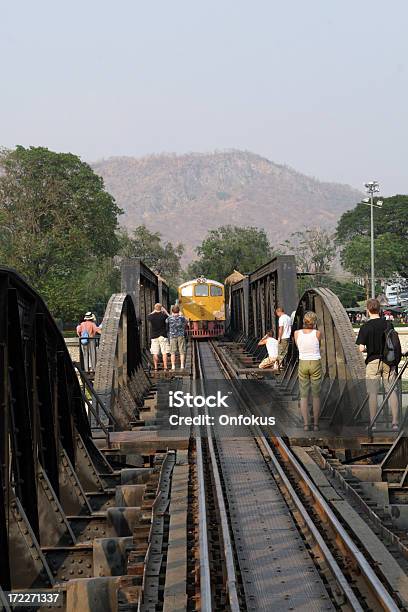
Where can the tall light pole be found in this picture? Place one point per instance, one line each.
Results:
(372, 188)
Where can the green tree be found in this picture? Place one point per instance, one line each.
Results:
(348, 292)
(228, 248)
(313, 248)
(391, 233)
(57, 224)
(389, 256)
(163, 258)
(391, 218)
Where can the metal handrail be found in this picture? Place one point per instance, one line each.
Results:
(360, 407)
(231, 580)
(97, 417)
(389, 393)
(85, 380)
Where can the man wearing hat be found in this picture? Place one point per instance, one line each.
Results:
(87, 331)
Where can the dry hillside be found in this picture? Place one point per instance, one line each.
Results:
(184, 196)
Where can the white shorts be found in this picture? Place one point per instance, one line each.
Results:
(159, 345)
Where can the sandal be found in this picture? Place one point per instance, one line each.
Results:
(306, 428)
(395, 427)
(315, 428)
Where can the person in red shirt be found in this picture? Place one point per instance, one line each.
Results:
(87, 331)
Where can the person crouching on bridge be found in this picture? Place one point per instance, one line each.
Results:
(310, 368)
(87, 331)
(284, 333)
(158, 334)
(176, 325)
(272, 346)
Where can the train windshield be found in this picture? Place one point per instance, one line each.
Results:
(201, 290)
(187, 291)
(215, 291)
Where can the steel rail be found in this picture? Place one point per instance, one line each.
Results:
(324, 549)
(231, 580)
(372, 581)
(371, 578)
(205, 574)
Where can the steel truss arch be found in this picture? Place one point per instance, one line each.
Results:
(344, 389)
(47, 456)
(120, 380)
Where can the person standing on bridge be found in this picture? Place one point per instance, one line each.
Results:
(309, 368)
(284, 333)
(87, 331)
(159, 342)
(372, 338)
(177, 324)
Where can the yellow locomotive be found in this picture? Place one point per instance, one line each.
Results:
(202, 302)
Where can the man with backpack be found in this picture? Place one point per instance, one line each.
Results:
(87, 331)
(380, 340)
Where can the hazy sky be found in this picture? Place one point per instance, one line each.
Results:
(320, 85)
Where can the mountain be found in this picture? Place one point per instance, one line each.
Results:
(183, 196)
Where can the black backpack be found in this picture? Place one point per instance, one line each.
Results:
(392, 347)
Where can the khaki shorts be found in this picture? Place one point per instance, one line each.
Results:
(283, 349)
(178, 343)
(159, 345)
(377, 370)
(268, 362)
(310, 375)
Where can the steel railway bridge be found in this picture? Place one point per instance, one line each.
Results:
(104, 504)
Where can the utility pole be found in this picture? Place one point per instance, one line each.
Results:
(372, 187)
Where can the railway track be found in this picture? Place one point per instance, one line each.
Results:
(277, 540)
(213, 591)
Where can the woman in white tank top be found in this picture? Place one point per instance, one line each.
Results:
(310, 368)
